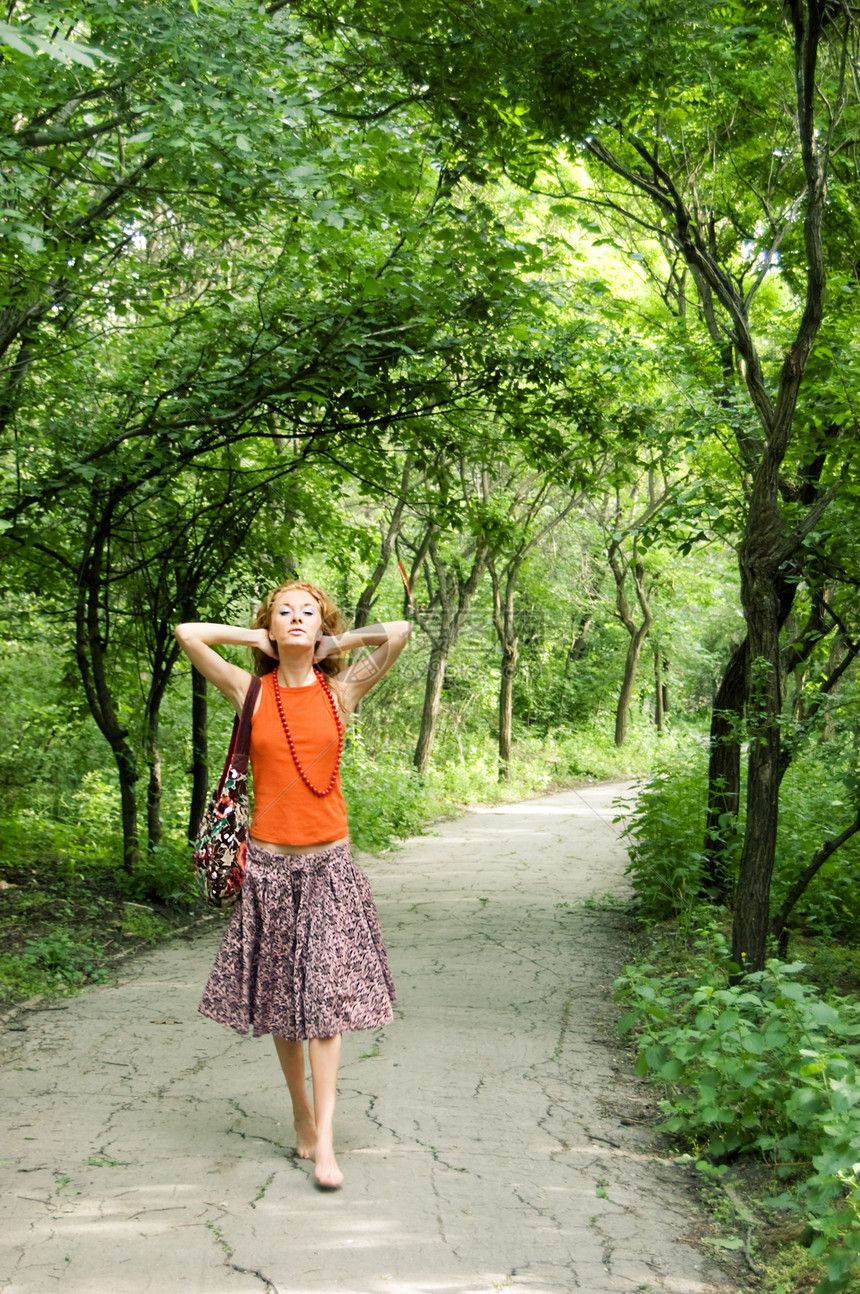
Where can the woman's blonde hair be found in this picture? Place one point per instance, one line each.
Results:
(332, 623)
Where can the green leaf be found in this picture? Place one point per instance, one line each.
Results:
(745, 1075)
(656, 1055)
(9, 36)
(824, 1014)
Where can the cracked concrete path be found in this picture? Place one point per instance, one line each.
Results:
(492, 1137)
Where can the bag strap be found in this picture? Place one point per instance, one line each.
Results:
(240, 741)
(242, 749)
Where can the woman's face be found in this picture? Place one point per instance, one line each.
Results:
(296, 619)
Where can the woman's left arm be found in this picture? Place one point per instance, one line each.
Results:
(356, 680)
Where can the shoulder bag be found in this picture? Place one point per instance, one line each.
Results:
(222, 837)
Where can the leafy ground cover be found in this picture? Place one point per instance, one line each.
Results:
(764, 1068)
(60, 925)
(757, 1075)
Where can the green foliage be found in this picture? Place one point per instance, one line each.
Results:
(833, 967)
(65, 958)
(665, 826)
(765, 1066)
(163, 875)
(665, 831)
(141, 923)
(818, 800)
(792, 1268)
(384, 796)
(387, 800)
(56, 963)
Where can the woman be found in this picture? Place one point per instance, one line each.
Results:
(303, 956)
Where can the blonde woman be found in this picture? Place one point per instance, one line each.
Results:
(303, 957)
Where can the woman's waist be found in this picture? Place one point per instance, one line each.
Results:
(296, 851)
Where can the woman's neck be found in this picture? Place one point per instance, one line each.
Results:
(297, 672)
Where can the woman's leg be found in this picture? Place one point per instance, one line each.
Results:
(325, 1059)
(291, 1054)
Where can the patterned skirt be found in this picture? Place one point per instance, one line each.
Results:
(303, 955)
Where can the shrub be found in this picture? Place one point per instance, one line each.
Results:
(164, 875)
(62, 957)
(665, 833)
(818, 799)
(766, 1067)
(384, 796)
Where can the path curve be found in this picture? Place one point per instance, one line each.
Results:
(492, 1136)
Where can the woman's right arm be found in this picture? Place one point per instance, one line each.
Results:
(198, 641)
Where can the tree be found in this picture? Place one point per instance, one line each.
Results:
(628, 565)
(529, 508)
(728, 216)
(181, 280)
(451, 568)
(780, 515)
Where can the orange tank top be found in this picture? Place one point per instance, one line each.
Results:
(285, 810)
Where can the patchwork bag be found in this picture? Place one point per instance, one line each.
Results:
(222, 837)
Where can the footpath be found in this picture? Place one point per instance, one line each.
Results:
(493, 1137)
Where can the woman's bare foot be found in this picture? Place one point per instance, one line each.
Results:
(326, 1171)
(306, 1135)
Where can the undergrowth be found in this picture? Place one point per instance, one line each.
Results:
(764, 1067)
(760, 1069)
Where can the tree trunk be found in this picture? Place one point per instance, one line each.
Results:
(761, 604)
(91, 638)
(127, 770)
(659, 691)
(455, 599)
(430, 712)
(578, 643)
(505, 624)
(638, 634)
(164, 653)
(199, 753)
(506, 708)
(628, 685)
(368, 594)
(154, 789)
(724, 776)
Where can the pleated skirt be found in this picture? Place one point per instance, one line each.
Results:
(303, 955)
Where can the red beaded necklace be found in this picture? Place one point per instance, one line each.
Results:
(340, 730)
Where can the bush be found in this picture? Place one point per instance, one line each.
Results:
(818, 799)
(164, 875)
(384, 796)
(765, 1067)
(139, 922)
(56, 963)
(665, 834)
